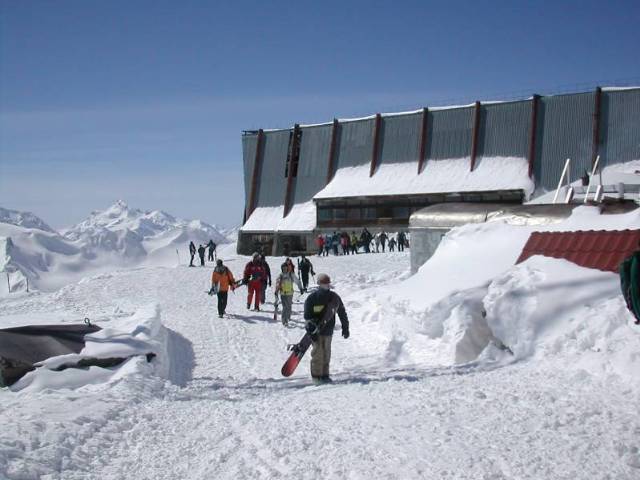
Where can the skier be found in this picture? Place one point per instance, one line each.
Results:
(401, 241)
(365, 240)
(289, 264)
(201, 251)
(376, 240)
(192, 252)
(221, 280)
(354, 243)
(321, 301)
(392, 244)
(254, 272)
(266, 280)
(320, 244)
(327, 244)
(212, 248)
(284, 286)
(383, 240)
(304, 267)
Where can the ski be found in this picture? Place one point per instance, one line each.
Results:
(275, 308)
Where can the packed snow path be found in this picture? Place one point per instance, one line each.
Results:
(392, 412)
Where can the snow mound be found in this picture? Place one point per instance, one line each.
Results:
(131, 338)
(470, 303)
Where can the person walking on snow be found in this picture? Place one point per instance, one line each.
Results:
(320, 244)
(212, 248)
(221, 280)
(201, 251)
(321, 306)
(254, 273)
(354, 243)
(192, 252)
(304, 267)
(383, 240)
(284, 287)
(266, 280)
(392, 244)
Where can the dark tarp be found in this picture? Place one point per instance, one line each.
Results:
(22, 347)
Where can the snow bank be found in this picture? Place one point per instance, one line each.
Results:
(469, 302)
(130, 338)
(438, 176)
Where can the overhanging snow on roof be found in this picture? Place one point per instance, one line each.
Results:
(301, 218)
(438, 176)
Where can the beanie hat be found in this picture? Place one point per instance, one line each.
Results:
(323, 279)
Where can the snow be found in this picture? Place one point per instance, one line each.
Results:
(438, 176)
(472, 368)
(118, 237)
(301, 218)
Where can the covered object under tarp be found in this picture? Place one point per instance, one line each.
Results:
(22, 347)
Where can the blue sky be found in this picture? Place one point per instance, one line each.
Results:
(145, 101)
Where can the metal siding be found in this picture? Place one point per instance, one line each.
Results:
(400, 139)
(449, 133)
(565, 130)
(273, 184)
(619, 127)
(504, 130)
(312, 168)
(249, 145)
(355, 143)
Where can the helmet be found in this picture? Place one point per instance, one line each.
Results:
(219, 262)
(323, 279)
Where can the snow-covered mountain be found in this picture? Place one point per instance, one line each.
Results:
(23, 219)
(117, 237)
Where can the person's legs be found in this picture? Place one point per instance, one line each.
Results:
(191, 262)
(317, 358)
(287, 301)
(305, 280)
(222, 302)
(250, 289)
(326, 359)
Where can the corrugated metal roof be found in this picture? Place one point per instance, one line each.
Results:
(599, 249)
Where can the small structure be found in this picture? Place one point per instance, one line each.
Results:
(599, 249)
(428, 225)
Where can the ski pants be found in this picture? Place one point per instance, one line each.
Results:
(305, 279)
(202, 260)
(287, 302)
(210, 255)
(263, 292)
(321, 356)
(222, 302)
(254, 286)
(191, 262)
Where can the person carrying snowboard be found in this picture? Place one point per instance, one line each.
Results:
(304, 267)
(221, 280)
(284, 287)
(212, 248)
(320, 303)
(254, 273)
(192, 252)
(201, 251)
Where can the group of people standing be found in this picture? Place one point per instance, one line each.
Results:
(320, 307)
(202, 250)
(343, 243)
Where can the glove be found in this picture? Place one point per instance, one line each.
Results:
(212, 291)
(345, 333)
(312, 329)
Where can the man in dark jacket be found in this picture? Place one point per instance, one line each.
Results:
(212, 248)
(320, 310)
(304, 267)
(192, 252)
(201, 252)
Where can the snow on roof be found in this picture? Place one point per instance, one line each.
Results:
(438, 176)
(301, 218)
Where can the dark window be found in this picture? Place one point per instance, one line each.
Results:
(324, 214)
(339, 213)
(400, 212)
(293, 153)
(353, 214)
(370, 213)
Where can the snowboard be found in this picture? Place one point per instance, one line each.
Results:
(297, 352)
(299, 349)
(275, 308)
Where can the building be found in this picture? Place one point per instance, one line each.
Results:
(376, 171)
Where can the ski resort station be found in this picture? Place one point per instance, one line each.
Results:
(459, 163)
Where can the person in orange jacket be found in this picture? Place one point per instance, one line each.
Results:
(221, 280)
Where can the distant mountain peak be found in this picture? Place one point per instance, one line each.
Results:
(24, 219)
